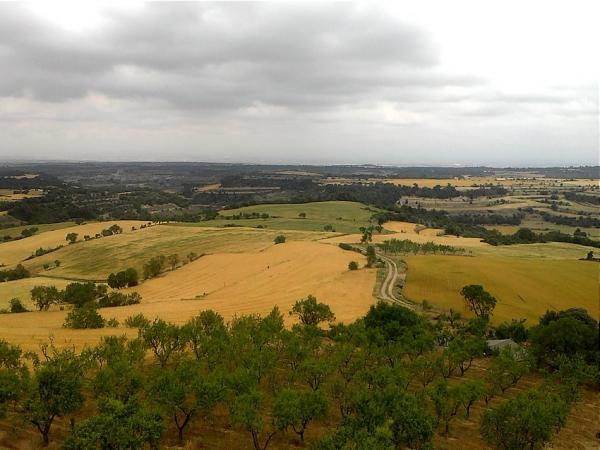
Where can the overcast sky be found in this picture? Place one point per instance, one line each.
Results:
(406, 83)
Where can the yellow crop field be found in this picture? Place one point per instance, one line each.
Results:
(21, 289)
(524, 287)
(13, 252)
(407, 230)
(232, 284)
(96, 259)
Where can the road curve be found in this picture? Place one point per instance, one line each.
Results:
(386, 291)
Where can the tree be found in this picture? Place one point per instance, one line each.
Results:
(571, 332)
(302, 215)
(118, 426)
(371, 256)
(55, 391)
(246, 411)
(154, 266)
(527, 421)
(279, 239)
(163, 338)
(14, 376)
(478, 300)
(515, 330)
(79, 294)
(295, 409)
(16, 306)
(44, 296)
(183, 391)
(207, 336)
(468, 392)
(84, 317)
(128, 277)
(445, 402)
(71, 238)
(173, 260)
(309, 312)
(353, 265)
(412, 425)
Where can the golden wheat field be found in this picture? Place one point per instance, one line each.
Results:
(407, 230)
(96, 259)
(524, 287)
(234, 284)
(21, 289)
(14, 252)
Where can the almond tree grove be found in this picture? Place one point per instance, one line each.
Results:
(391, 380)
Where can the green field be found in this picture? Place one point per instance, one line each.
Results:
(96, 259)
(524, 287)
(344, 217)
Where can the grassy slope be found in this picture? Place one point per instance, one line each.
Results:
(344, 217)
(16, 231)
(96, 259)
(21, 289)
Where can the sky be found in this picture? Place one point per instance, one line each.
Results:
(498, 83)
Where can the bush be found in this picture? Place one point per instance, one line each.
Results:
(84, 317)
(14, 274)
(353, 265)
(79, 294)
(118, 299)
(137, 321)
(514, 330)
(112, 323)
(280, 239)
(128, 277)
(16, 306)
(154, 267)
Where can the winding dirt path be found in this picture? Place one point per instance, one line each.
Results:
(386, 291)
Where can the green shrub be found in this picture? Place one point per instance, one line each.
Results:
(118, 299)
(353, 265)
(16, 306)
(84, 317)
(137, 321)
(112, 323)
(280, 239)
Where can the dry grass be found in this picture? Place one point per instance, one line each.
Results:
(96, 259)
(13, 252)
(235, 284)
(407, 230)
(21, 289)
(525, 287)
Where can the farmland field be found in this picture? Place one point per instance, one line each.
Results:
(96, 259)
(524, 287)
(16, 251)
(344, 217)
(248, 282)
(21, 289)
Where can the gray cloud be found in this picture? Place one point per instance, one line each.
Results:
(195, 70)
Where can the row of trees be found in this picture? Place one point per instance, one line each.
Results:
(80, 294)
(389, 380)
(397, 246)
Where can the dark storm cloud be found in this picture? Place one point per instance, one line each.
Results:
(221, 56)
